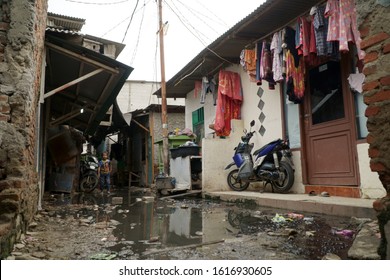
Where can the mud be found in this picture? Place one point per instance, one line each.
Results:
(136, 224)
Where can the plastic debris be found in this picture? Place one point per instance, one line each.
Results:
(345, 232)
(295, 216)
(278, 219)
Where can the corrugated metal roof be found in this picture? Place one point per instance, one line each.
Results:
(63, 22)
(67, 62)
(269, 17)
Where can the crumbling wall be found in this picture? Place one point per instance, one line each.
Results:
(375, 27)
(22, 31)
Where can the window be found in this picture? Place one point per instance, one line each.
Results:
(198, 124)
(291, 111)
(327, 103)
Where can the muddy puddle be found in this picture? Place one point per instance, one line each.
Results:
(139, 225)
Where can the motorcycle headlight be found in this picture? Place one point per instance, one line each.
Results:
(92, 167)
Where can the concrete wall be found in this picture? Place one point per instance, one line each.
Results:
(22, 30)
(137, 95)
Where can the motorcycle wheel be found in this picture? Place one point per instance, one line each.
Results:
(286, 178)
(89, 183)
(235, 183)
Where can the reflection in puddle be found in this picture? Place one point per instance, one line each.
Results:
(143, 224)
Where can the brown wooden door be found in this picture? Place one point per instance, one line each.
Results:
(329, 130)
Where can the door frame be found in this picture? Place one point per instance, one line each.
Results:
(350, 109)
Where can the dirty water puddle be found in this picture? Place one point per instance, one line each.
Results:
(138, 225)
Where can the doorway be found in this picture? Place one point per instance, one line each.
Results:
(330, 142)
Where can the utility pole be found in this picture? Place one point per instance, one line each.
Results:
(164, 118)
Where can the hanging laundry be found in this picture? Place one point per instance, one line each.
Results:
(266, 65)
(343, 25)
(248, 62)
(356, 81)
(258, 48)
(277, 56)
(295, 78)
(198, 88)
(209, 85)
(229, 101)
(289, 44)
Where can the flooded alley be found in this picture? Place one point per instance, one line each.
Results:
(136, 224)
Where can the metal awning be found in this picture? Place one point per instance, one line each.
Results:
(80, 84)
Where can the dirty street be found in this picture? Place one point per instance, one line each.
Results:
(135, 224)
(248, 139)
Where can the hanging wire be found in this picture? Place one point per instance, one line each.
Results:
(131, 19)
(122, 21)
(95, 3)
(139, 35)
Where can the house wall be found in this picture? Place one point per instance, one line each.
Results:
(217, 153)
(137, 95)
(22, 30)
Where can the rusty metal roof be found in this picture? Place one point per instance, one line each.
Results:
(268, 18)
(69, 90)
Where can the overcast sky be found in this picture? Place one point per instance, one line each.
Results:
(192, 25)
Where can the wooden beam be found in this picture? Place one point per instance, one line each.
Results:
(82, 58)
(71, 83)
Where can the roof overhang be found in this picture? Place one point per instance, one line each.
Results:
(266, 19)
(80, 84)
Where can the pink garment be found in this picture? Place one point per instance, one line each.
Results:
(198, 88)
(228, 103)
(304, 36)
(343, 24)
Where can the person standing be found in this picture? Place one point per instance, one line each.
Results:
(104, 172)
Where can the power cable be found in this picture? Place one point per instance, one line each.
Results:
(203, 43)
(122, 21)
(95, 3)
(185, 25)
(131, 19)
(138, 37)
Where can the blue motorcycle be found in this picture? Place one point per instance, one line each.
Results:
(272, 164)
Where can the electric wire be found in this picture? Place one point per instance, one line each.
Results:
(181, 18)
(203, 43)
(139, 35)
(96, 3)
(122, 21)
(214, 16)
(131, 19)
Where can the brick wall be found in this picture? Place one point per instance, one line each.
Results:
(22, 30)
(375, 26)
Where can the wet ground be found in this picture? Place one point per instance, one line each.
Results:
(136, 224)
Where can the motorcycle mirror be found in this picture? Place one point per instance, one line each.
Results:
(245, 131)
(252, 123)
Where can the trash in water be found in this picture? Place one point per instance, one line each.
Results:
(278, 218)
(295, 216)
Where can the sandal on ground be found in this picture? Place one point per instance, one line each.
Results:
(325, 194)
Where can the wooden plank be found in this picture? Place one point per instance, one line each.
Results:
(182, 194)
(147, 253)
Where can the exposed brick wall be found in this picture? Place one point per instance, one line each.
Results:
(22, 31)
(375, 28)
